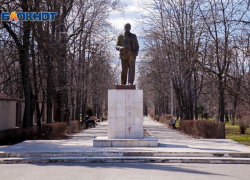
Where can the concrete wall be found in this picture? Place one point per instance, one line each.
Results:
(44, 113)
(22, 111)
(7, 114)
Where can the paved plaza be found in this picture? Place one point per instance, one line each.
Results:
(172, 144)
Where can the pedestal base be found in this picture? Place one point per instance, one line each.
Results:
(125, 114)
(125, 87)
(144, 142)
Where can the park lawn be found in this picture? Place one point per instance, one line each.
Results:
(233, 132)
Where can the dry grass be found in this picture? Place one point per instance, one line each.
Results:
(233, 132)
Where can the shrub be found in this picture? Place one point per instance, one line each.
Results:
(105, 114)
(11, 136)
(156, 117)
(51, 131)
(74, 127)
(168, 118)
(151, 116)
(244, 122)
(202, 128)
(161, 119)
(244, 117)
(57, 130)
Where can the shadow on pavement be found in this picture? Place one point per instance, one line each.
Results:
(183, 146)
(144, 166)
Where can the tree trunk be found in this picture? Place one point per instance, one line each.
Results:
(23, 48)
(242, 130)
(195, 96)
(221, 99)
(24, 61)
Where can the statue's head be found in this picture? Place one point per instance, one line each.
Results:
(127, 27)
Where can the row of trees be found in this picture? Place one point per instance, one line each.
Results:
(201, 49)
(198, 47)
(66, 63)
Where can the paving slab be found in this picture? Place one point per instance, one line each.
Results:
(171, 143)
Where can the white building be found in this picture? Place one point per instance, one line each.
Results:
(12, 111)
(7, 112)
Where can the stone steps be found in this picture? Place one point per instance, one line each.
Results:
(144, 142)
(123, 154)
(208, 160)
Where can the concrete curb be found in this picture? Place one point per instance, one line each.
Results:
(124, 154)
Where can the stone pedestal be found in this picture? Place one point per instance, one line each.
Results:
(125, 114)
(125, 121)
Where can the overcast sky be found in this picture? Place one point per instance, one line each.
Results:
(130, 15)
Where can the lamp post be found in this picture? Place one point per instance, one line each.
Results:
(172, 99)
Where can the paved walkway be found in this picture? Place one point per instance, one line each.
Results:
(169, 141)
(125, 171)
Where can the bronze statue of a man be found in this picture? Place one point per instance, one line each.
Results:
(128, 46)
